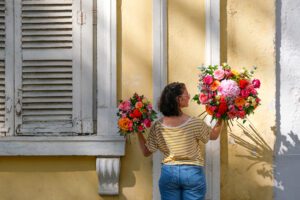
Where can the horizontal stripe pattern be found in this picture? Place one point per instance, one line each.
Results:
(180, 145)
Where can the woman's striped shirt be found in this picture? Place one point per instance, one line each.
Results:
(182, 144)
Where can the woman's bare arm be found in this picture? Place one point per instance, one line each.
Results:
(143, 147)
(216, 130)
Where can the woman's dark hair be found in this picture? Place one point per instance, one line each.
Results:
(168, 103)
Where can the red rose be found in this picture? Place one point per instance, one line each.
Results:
(222, 107)
(136, 113)
(243, 83)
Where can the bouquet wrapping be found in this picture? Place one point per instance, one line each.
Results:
(227, 93)
(135, 115)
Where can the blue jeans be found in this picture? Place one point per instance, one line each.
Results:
(182, 182)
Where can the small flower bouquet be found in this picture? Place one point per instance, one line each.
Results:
(135, 115)
(226, 93)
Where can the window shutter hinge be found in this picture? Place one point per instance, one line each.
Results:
(81, 17)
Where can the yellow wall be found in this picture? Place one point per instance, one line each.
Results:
(136, 75)
(186, 44)
(250, 41)
(66, 178)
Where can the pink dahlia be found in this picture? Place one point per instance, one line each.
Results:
(229, 88)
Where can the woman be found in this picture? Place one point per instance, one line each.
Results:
(181, 139)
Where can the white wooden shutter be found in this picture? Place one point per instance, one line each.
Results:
(2, 67)
(6, 68)
(48, 67)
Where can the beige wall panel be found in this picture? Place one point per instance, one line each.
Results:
(186, 44)
(135, 75)
(247, 169)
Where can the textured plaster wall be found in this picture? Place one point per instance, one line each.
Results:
(248, 38)
(288, 58)
(186, 44)
(135, 54)
(65, 178)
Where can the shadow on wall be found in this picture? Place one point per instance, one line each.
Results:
(287, 167)
(286, 182)
(258, 149)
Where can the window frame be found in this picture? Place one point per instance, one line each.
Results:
(107, 145)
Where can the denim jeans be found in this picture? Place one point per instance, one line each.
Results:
(182, 182)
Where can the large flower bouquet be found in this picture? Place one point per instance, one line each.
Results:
(135, 115)
(227, 93)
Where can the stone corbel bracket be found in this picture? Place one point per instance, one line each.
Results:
(107, 149)
(108, 170)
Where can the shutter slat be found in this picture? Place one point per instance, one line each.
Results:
(45, 14)
(47, 82)
(47, 118)
(41, 2)
(46, 69)
(47, 106)
(62, 27)
(50, 33)
(47, 100)
(47, 94)
(58, 124)
(47, 39)
(65, 20)
(47, 112)
(46, 88)
(41, 8)
(47, 45)
(47, 76)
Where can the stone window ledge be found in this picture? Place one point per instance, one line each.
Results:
(107, 149)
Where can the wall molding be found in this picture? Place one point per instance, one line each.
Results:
(212, 56)
(160, 74)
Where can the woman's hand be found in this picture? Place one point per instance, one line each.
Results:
(143, 147)
(216, 130)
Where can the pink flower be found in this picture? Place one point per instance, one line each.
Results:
(254, 92)
(149, 106)
(257, 100)
(245, 93)
(231, 114)
(218, 115)
(140, 128)
(256, 83)
(203, 98)
(219, 74)
(241, 114)
(147, 123)
(125, 105)
(228, 73)
(208, 79)
(251, 89)
(130, 125)
(229, 88)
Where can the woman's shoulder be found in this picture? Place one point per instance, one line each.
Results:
(196, 120)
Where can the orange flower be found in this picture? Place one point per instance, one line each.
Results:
(124, 123)
(239, 101)
(138, 104)
(209, 110)
(214, 86)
